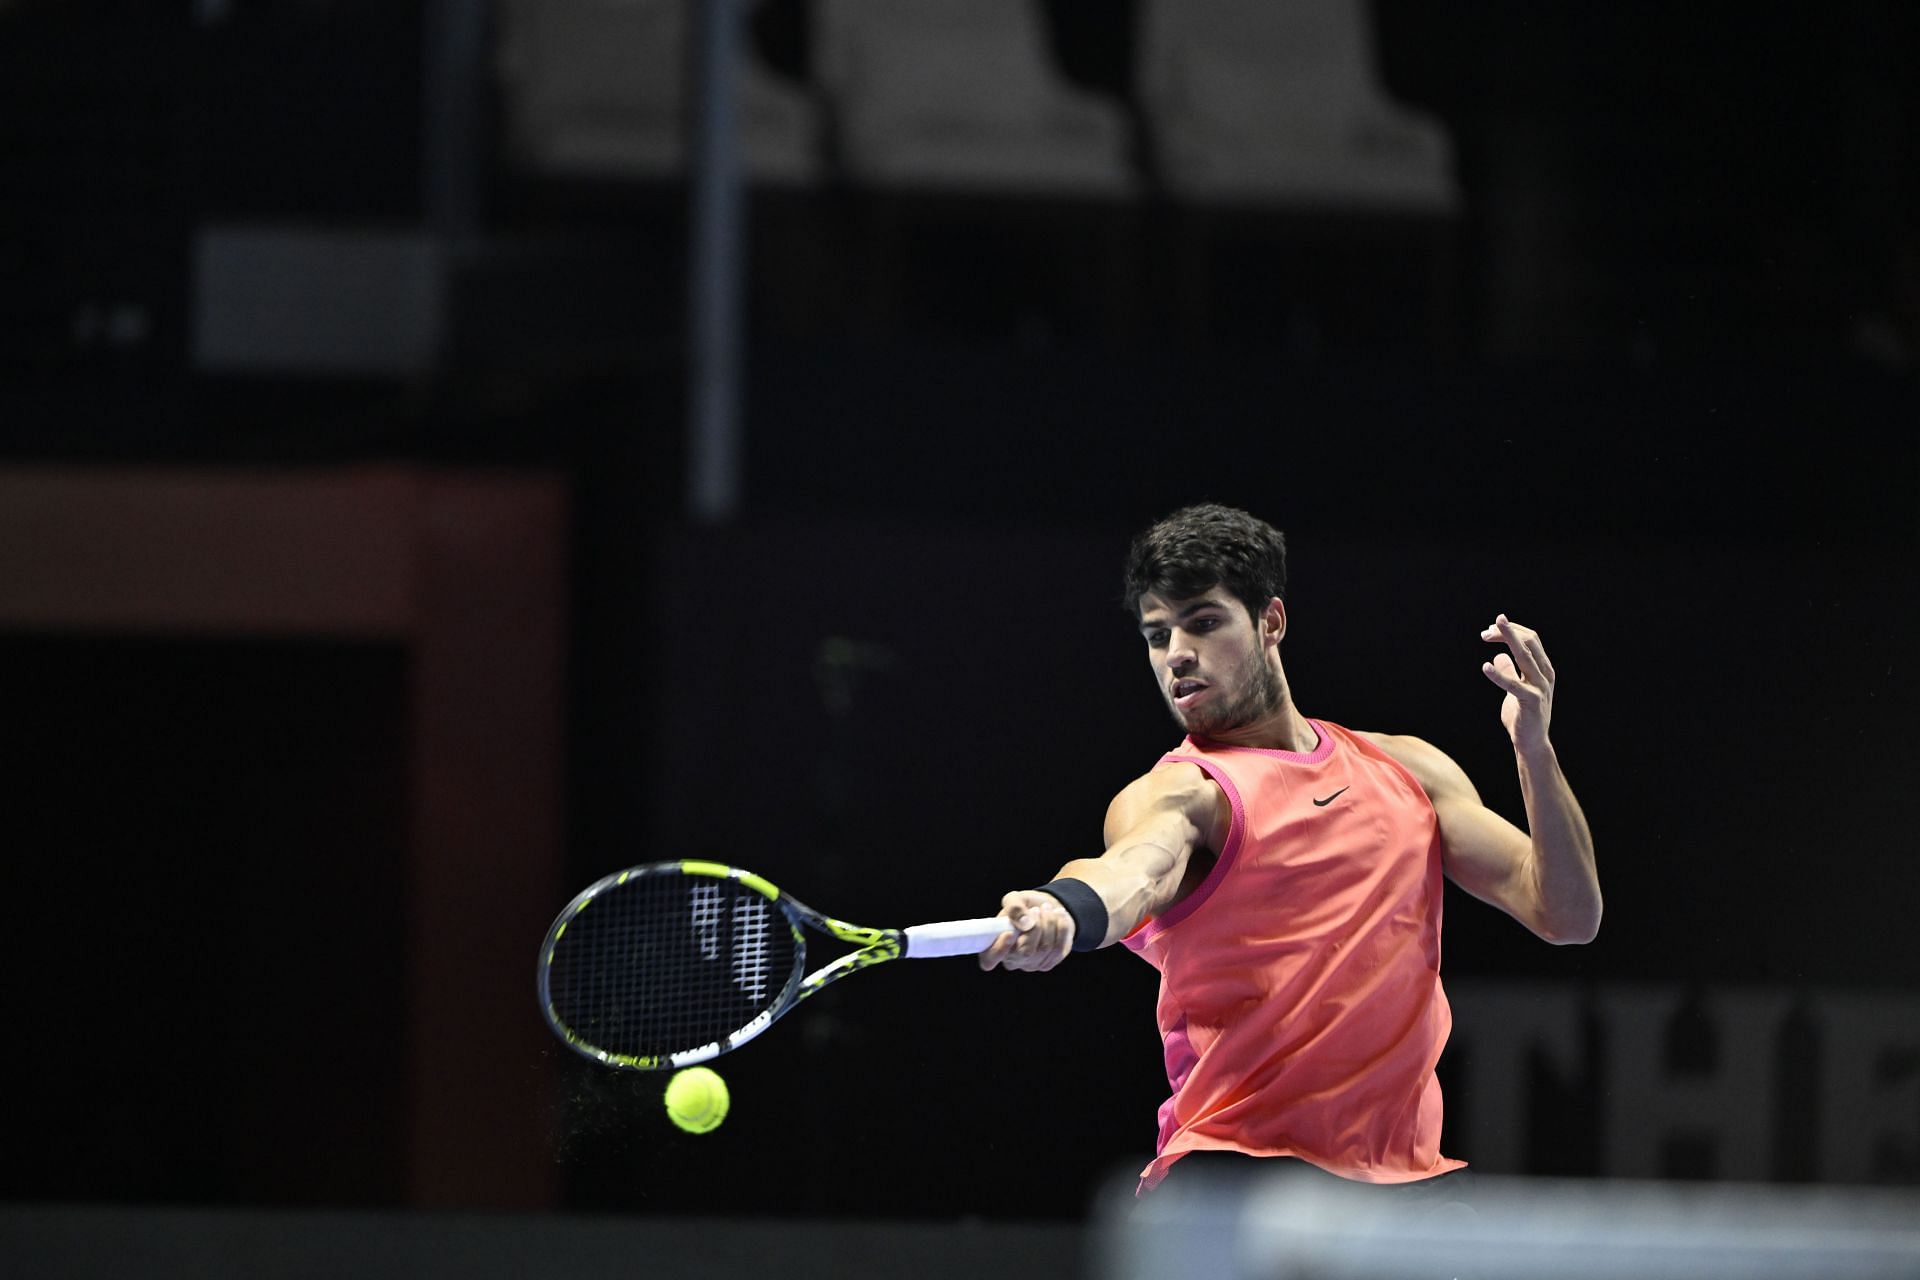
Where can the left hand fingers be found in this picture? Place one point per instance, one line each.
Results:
(1529, 654)
(1501, 671)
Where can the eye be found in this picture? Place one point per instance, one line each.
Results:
(1205, 623)
(1156, 639)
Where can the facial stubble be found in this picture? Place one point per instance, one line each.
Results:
(1260, 695)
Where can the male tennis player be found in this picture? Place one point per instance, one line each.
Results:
(1284, 876)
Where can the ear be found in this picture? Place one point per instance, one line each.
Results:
(1273, 621)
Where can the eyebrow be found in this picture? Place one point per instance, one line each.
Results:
(1204, 602)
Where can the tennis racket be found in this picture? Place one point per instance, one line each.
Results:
(672, 963)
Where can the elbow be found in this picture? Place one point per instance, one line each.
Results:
(1572, 931)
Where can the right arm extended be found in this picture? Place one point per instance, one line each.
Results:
(1152, 830)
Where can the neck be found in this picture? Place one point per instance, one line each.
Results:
(1281, 729)
(1285, 730)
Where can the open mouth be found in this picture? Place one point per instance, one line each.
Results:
(1185, 692)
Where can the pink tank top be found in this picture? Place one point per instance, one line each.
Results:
(1300, 1002)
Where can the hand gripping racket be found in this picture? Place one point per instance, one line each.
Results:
(673, 963)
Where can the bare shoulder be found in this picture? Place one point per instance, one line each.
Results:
(1177, 788)
(1431, 767)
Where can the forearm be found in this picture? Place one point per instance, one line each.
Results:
(1565, 882)
(1152, 828)
(1091, 902)
(1131, 882)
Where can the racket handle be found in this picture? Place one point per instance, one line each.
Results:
(954, 937)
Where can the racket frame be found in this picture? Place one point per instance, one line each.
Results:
(872, 946)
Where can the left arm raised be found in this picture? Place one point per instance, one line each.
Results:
(1546, 880)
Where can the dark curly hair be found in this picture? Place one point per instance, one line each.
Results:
(1201, 547)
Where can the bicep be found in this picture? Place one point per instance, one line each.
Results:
(1142, 809)
(1482, 852)
(1151, 831)
(1173, 808)
(1485, 854)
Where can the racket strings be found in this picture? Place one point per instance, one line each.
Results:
(752, 962)
(668, 963)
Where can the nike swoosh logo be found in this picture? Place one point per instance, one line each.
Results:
(1330, 799)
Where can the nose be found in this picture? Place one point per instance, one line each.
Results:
(1180, 655)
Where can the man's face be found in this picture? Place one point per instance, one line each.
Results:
(1210, 661)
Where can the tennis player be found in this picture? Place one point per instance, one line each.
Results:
(1284, 876)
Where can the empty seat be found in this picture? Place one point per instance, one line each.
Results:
(962, 94)
(597, 88)
(1277, 102)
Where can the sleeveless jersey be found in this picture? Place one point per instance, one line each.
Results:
(1300, 1002)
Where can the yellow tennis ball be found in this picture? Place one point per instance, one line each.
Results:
(697, 1099)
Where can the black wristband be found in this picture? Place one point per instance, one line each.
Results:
(1084, 905)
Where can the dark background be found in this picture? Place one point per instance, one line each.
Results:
(1652, 392)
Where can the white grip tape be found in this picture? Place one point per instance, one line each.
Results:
(954, 937)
